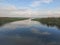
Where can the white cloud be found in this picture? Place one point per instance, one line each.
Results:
(35, 3)
(39, 2)
(12, 11)
(47, 1)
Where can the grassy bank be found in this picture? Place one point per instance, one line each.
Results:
(4, 20)
(49, 21)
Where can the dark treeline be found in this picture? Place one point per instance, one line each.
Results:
(4, 20)
(49, 21)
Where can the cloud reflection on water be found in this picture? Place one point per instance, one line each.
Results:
(39, 32)
(20, 24)
(27, 33)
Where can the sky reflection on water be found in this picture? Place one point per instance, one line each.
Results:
(28, 32)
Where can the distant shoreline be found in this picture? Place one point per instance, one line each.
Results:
(49, 21)
(4, 20)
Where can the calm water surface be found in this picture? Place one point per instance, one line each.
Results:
(29, 32)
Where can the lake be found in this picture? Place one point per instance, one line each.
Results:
(28, 32)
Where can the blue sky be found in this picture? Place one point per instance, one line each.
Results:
(34, 8)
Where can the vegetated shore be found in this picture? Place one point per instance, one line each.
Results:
(4, 20)
(51, 21)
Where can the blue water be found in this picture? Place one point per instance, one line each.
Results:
(29, 32)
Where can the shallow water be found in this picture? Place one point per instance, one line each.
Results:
(29, 32)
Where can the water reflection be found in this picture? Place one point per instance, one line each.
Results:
(29, 32)
(52, 25)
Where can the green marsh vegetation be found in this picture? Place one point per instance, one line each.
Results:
(49, 21)
(4, 20)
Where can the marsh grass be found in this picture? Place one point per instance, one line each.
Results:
(49, 21)
(4, 20)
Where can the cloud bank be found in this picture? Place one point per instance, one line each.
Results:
(13, 11)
